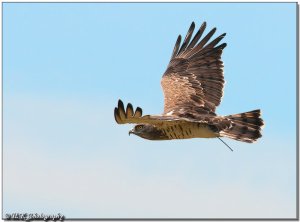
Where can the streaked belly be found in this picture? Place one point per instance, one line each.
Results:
(189, 130)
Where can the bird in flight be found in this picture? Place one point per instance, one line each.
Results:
(193, 87)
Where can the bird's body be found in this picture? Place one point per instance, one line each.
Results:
(188, 131)
(193, 87)
(183, 131)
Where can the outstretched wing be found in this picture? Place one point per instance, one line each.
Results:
(194, 80)
(123, 116)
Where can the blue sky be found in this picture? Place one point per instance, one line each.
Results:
(66, 65)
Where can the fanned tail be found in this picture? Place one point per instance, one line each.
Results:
(246, 127)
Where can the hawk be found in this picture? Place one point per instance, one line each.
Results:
(193, 87)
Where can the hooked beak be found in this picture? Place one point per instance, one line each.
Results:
(130, 132)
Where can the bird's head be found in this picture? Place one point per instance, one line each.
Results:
(149, 132)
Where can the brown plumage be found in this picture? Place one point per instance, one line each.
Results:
(193, 87)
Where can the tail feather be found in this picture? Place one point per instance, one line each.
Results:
(246, 127)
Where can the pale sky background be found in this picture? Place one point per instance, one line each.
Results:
(66, 65)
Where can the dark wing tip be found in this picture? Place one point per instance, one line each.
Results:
(203, 26)
(222, 36)
(220, 47)
(187, 38)
(213, 43)
(176, 47)
(116, 115)
(193, 24)
(129, 106)
(121, 105)
(211, 33)
(139, 109)
(178, 39)
(138, 112)
(223, 45)
(129, 110)
(197, 35)
(121, 110)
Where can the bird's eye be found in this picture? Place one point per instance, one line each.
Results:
(139, 127)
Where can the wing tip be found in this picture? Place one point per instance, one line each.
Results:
(121, 106)
(129, 110)
(117, 116)
(138, 112)
(122, 116)
(193, 24)
(223, 45)
(179, 39)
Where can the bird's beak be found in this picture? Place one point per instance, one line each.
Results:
(130, 132)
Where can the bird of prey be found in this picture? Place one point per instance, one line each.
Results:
(193, 87)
